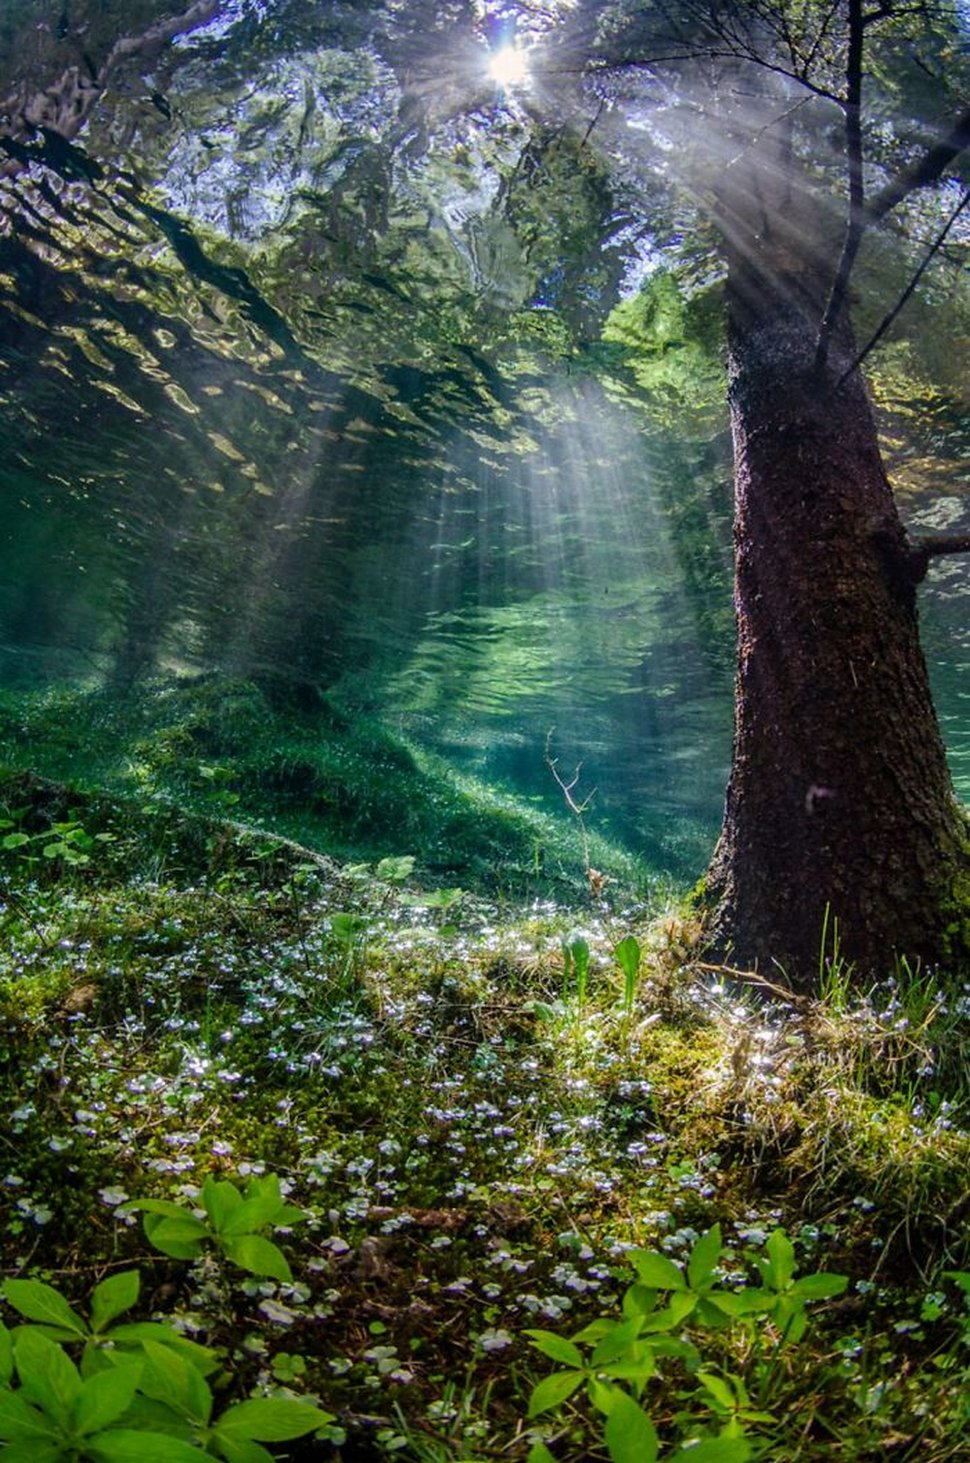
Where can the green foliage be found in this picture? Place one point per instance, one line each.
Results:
(67, 841)
(139, 1391)
(613, 1360)
(232, 1225)
(670, 337)
(627, 953)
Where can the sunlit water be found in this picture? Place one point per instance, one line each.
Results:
(300, 415)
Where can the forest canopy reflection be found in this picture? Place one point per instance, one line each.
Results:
(333, 361)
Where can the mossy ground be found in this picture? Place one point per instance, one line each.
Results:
(475, 1149)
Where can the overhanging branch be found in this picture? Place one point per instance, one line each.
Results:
(926, 170)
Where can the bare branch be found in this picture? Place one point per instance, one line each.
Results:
(907, 293)
(926, 170)
(856, 222)
(936, 546)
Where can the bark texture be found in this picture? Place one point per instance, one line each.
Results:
(839, 805)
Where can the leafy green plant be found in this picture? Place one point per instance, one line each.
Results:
(68, 840)
(614, 1359)
(49, 1314)
(575, 964)
(138, 1391)
(627, 954)
(155, 1405)
(232, 1223)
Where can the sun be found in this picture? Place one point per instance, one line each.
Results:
(508, 66)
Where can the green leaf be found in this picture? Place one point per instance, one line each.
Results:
(104, 1397)
(781, 1259)
(180, 1237)
(719, 1389)
(656, 1271)
(270, 1420)
(33, 1453)
(6, 1356)
(821, 1286)
(19, 1422)
(112, 1297)
(125, 1445)
(167, 1207)
(254, 1214)
(220, 1198)
(630, 1436)
(539, 1453)
(169, 1378)
(704, 1257)
(48, 1377)
(133, 1333)
(617, 1342)
(557, 1348)
(552, 1391)
(16, 840)
(257, 1255)
(627, 955)
(40, 1302)
(395, 870)
(241, 1450)
(713, 1450)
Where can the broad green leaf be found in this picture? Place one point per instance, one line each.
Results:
(271, 1420)
(48, 1377)
(257, 1255)
(751, 1302)
(821, 1286)
(617, 1342)
(629, 1434)
(104, 1397)
(656, 1271)
(682, 1303)
(6, 1356)
(713, 1450)
(395, 870)
(16, 840)
(220, 1198)
(557, 1348)
(781, 1259)
(704, 1257)
(241, 1450)
(552, 1391)
(125, 1445)
(39, 1302)
(254, 1214)
(180, 1237)
(169, 1378)
(639, 1300)
(720, 1390)
(639, 1369)
(167, 1207)
(539, 1453)
(133, 1333)
(627, 954)
(33, 1453)
(148, 1416)
(19, 1422)
(112, 1297)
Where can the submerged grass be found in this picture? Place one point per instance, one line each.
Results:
(476, 1147)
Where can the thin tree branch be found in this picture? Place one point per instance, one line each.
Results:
(907, 293)
(926, 170)
(856, 221)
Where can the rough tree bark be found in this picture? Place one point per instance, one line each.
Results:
(839, 806)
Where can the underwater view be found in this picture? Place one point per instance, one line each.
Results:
(375, 497)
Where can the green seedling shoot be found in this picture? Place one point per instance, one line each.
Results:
(627, 954)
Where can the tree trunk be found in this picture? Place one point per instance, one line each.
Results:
(839, 811)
